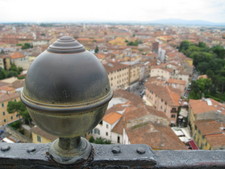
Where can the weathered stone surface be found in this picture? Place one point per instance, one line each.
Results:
(36, 156)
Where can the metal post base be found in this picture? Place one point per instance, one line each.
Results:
(70, 150)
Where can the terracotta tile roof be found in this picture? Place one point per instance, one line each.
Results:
(18, 83)
(8, 96)
(119, 127)
(100, 55)
(168, 94)
(155, 112)
(3, 83)
(157, 136)
(206, 105)
(42, 133)
(134, 99)
(13, 83)
(144, 124)
(112, 117)
(17, 55)
(9, 80)
(162, 68)
(213, 131)
(113, 66)
(176, 81)
(174, 96)
(134, 115)
(6, 88)
(203, 77)
(2, 56)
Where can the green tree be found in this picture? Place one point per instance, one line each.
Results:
(96, 49)
(202, 45)
(2, 73)
(133, 43)
(14, 106)
(99, 140)
(210, 61)
(200, 88)
(27, 46)
(219, 51)
(13, 71)
(184, 46)
(16, 125)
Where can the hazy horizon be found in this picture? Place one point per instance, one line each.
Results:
(111, 11)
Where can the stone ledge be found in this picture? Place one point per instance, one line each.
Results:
(36, 156)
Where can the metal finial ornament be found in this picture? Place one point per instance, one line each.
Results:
(66, 44)
(66, 93)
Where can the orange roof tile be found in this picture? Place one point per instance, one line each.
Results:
(6, 88)
(213, 132)
(112, 117)
(100, 55)
(176, 81)
(9, 96)
(170, 95)
(158, 137)
(202, 106)
(17, 55)
(114, 66)
(203, 77)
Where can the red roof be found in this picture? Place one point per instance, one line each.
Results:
(193, 145)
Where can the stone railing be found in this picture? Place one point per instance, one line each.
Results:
(36, 156)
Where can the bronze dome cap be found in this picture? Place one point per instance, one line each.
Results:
(66, 76)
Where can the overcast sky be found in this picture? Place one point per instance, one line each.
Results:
(110, 10)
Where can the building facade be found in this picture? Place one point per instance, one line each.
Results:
(5, 116)
(207, 123)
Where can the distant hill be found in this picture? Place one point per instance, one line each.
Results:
(186, 22)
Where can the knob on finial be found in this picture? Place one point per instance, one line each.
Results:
(66, 44)
(67, 92)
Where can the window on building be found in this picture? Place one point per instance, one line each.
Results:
(173, 110)
(2, 104)
(11, 117)
(107, 126)
(106, 134)
(4, 120)
(101, 123)
(96, 131)
(3, 113)
(38, 138)
(173, 116)
(118, 139)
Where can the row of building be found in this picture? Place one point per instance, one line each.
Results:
(9, 91)
(123, 74)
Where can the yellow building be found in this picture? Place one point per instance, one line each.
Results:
(6, 95)
(118, 41)
(118, 75)
(134, 73)
(209, 134)
(40, 136)
(207, 122)
(122, 75)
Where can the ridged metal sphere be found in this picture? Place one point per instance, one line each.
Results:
(66, 89)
